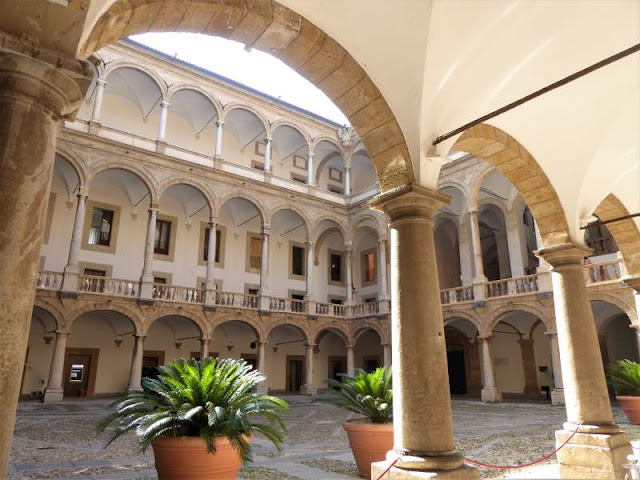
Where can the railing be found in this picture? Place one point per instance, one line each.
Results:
(456, 295)
(331, 309)
(240, 300)
(512, 286)
(108, 286)
(602, 272)
(174, 293)
(287, 305)
(365, 309)
(49, 280)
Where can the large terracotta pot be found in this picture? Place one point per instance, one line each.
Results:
(631, 407)
(369, 442)
(186, 458)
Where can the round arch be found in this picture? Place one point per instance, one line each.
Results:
(76, 161)
(286, 123)
(282, 207)
(325, 138)
(256, 326)
(540, 314)
(327, 218)
(198, 320)
(144, 176)
(52, 310)
(321, 330)
(135, 318)
(463, 189)
(449, 317)
(362, 328)
(230, 107)
(300, 329)
(245, 195)
(361, 222)
(122, 64)
(200, 187)
(628, 309)
(511, 159)
(294, 40)
(179, 87)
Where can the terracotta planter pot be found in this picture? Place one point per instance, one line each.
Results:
(631, 407)
(369, 442)
(186, 458)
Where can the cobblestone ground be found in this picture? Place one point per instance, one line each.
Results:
(58, 441)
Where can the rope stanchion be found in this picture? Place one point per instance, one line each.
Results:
(513, 467)
(501, 467)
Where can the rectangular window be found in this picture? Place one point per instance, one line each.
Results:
(205, 255)
(368, 267)
(336, 301)
(160, 280)
(337, 190)
(101, 224)
(257, 165)
(255, 253)
(297, 260)
(162, 237)
(335, 267)
(298, 178)
(253, 291)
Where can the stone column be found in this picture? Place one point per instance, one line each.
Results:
(382, 267)
(517, 253)
(262, 366)
(310, 296)
(347, 180)
(311, 181)
(38, 90)
(466, 274)
(490, 392)
(218, 147)
(97, 102)
(479, 280)
(387, 354)
(204, 348)
(531, 389)
(308, 388)
(585, 388)
(351, 364)
(349, 276)
(55, 391)
(557, 394)
(135, 376)
(423, 442)
(162, 128)
(267, 154)
(264, 267)
(634, 283)
(70, 280)
(210, 284)
(146, 281)
(474, 378)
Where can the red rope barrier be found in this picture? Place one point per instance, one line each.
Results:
(388, 468)
(540, 460)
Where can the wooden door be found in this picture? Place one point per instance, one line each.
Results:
(295, 373)
(78, 367)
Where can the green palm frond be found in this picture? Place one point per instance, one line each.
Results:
(367, 394)
(624, 376)
(207, 399)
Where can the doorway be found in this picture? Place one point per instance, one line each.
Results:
(457, 372)
(251, 359)
(295, 373)
(151, 360)
(337, 365)
(371, 363)
(80, 366)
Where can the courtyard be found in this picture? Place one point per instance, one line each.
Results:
(58, 441)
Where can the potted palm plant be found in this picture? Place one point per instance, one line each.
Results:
(370, 396)
(199, 417)
(624, 376)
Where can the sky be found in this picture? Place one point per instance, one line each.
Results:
(255, 69)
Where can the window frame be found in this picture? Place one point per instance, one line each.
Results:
(363, 267)
(247, 261)
(342, 256)
(303, 246)
(222, 241)
(113, 234)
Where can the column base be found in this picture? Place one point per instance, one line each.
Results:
(491, 395)
(94, 127)
(53, 395)
(557, 396)
(146, 290)
(309, 390)
(134, 389)
(70, 282)
(463, 472)
(262, 389)
(593, 455)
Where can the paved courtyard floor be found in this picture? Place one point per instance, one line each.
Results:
(58, 441)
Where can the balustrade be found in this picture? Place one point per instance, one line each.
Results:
(456, 295)
(602, 272)
(512, 286)
(240, 300)
(287, 305)
(602, 246)
(49, 280)
(108, 286)
(331, 309)
(174, 293)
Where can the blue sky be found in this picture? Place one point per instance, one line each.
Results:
(253, 68)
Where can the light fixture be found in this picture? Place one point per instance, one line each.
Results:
(47, 339)
(118, 342)
(178, 345)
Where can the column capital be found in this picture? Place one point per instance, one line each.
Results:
(164, 104)
(49, 80)
(154, 207)
(348, 246)
(632, 282)
(383, 237)
(101, 81)
(62, 333)
(205, 339)
(213, 220)
(347, 166)
(266, 228)
(311, 241)
(564, 254)
(636, 328)
(409, 201)
(83, 192)
(551, 334)
(473, 211)
(310, 344)
(266, 139)
(219, 123)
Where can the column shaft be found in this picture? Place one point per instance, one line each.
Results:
(262, 366)
(36, 94)
(54, 391)
(70, 281)
(309, 271)
(162, 128)
(351, 367)
(557, 394)
(490, 391)
(97, 102)
(382, 268)
(210, 283)
(311, 181)
(267, 154)
(387, 354)
(349, 275)
(146, 290)
(347, 181)
(218, 147)
(264, 268)
(477, 246)
(308, 388)
(204, 348)
(135, 376)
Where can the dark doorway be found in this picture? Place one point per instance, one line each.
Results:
(457, 374)
(150, 363)
(80, 372)
(295, 373)
(337, 365)
(369, 364)
(251, 359)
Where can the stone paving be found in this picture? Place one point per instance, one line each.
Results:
(59, 441)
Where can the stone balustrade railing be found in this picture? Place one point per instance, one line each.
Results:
(49, 280)
(602, 272)
(287, 305)
(512, 286)
(240, 300)
(331, 309)
(457, 295)
(108, 286)
(173, 293)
